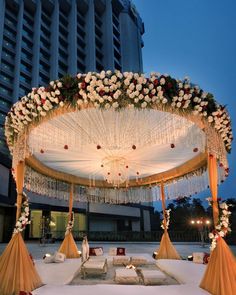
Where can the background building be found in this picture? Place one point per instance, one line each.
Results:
(42, 40)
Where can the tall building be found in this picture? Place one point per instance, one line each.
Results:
(42, 40)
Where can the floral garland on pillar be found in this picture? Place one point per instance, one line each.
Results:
(223, 227)
(167, 215)
(70, 224)
(24, 217)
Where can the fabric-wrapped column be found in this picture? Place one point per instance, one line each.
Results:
(17, 271)
(167, 249)
(220, 275)
(68, 246)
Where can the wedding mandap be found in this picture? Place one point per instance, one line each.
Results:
(117, 138)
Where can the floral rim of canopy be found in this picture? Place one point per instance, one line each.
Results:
(120, 91)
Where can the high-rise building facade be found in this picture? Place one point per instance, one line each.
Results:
(42, 40)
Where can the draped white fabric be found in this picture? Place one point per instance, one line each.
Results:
(79, 143)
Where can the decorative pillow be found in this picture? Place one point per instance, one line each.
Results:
(206, 258)
(98, 251)
(120, 251)
(112, 252)
(198, 257)
(59, 257)
(92, 251)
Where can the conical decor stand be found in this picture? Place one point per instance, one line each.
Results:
(17, 271)
(68, 247)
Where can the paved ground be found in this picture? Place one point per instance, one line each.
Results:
(37, 250)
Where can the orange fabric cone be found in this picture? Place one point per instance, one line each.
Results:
(68, 247)
(220, 275)
(167, 249)
(17, 271)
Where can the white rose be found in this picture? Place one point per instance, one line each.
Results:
(42, 113)
(210, 119)
(107, 106)
(178, 104)
(139, 87)
(164, 100)
(162, 81)
(144, 104)
(211, 236)
(115, 105)
(181, 93)
(52, 83)
(136, 100)
(61, 103)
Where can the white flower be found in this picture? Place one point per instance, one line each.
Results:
(115, 105)
(57, 92)
(211, 236)
(162, 81)
(42, 113)
(136, 100)
(178, 104)
(210, 119)
(164, 100)
(181, 93)
(107, 106)
(143, 105)
(61, 103)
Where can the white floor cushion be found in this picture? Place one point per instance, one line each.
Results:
(138, 260)
(153, 277)
(126, 276)
(121, 260)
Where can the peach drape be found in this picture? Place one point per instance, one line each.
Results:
(68, 246)
(213, 182)
(167, 249)
(17, 271)
(220, 275)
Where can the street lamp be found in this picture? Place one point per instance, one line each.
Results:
(202, 225)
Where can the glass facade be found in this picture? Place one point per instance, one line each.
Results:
(53, 225)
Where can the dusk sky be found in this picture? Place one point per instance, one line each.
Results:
(197, 39)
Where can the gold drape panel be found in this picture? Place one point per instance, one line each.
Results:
(213, 181)
(17, 272)
(20, 173)
(220, 275)
(68, 246)
(167, 249)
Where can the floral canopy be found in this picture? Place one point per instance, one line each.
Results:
(127, 131)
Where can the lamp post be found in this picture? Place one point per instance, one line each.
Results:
(202, 224)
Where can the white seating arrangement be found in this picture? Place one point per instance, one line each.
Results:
(94, 267)
(153, 277)
(138, 260)
(121, 260)
(126, 276)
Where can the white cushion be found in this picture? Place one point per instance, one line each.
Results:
(112, 251)
(126, 276)
(153, 277)
(138, 260)
(121, 260)
(98, 251)
(198, 257)
(59, 257)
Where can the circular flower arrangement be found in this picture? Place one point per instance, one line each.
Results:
(117, 90)
(24, 218)
(167, 215)
(222, 228)
(70, 224)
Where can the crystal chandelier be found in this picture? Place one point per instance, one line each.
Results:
(115, 170)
